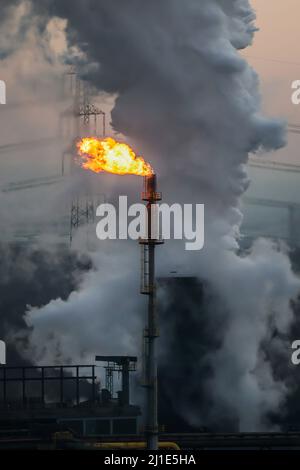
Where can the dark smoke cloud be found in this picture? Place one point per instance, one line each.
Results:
(34, 276)
(30, 276)
(5, 5)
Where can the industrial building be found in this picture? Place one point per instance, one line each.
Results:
(42, 400)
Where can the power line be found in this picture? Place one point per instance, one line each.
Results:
(255, 201)
(30, 183)
(15, 146)
(271, 165)
(278, 61)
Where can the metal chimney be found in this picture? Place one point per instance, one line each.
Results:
(151, 331)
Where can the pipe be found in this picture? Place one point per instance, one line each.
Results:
(132, 445)
(125, 381)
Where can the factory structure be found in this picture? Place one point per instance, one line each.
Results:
(26, 408)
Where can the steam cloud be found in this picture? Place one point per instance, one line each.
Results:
(191, 103)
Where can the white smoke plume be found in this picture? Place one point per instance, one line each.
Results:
(191, 104)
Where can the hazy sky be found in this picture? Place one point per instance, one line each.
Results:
(277, 40)
(275, 55)
(279, 22)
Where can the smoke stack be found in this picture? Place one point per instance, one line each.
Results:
(151, 331)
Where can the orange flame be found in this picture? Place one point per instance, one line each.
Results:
(108, 155)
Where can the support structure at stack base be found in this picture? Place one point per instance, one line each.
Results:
(151, 331)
